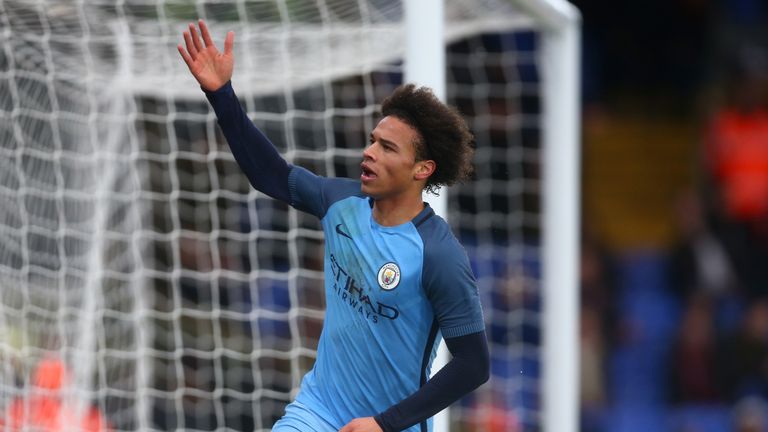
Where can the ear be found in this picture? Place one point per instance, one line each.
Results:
(424, 169)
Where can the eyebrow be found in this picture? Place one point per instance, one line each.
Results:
(386, 141)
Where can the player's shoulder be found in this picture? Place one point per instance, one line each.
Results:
(339, 188)
(446, 273)
(340, 185)
(314, 193)
(440, 244)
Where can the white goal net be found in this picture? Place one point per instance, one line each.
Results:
(144, 285)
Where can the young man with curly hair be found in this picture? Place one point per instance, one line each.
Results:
(396, 279)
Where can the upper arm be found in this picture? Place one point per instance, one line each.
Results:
(451, 288)
(314, 194)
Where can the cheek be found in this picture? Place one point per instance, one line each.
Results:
(400, 170)
(398, 167)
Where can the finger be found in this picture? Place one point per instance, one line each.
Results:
(206, 34)
(229, 42)
(187, 59)
(190, 46)
(195, 37)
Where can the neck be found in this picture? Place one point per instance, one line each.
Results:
(392, 212)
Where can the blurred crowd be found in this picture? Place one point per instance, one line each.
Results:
(675, 336)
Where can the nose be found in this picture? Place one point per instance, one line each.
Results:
(369, 152)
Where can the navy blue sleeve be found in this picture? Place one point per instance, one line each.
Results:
(315, 194)
(257, 156)
(449, 282)
(467, 370)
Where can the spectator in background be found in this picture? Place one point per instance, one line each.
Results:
(736, 165)
(490, 412)
(744, 355)
(592, 370)
(749, 415)
(693, 369)
(597, 330)
(598, 282)
(44, 408)
(700, 266)
(698, 262)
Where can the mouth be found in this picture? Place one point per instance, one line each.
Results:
(367, 173)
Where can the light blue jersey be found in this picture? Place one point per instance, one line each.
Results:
(391, 294)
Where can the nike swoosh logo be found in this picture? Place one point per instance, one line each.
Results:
(338, 230)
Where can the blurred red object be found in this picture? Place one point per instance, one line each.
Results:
(43, 409)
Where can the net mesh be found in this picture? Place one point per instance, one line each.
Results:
(136, 257)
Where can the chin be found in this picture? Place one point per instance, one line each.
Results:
(369, 192)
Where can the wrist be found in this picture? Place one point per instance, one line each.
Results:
(218, 88)
(385, 427)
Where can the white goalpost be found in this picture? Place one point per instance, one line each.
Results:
(560, 29)
(560, 53)
(144, 285)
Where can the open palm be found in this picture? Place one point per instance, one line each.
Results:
(210, 67)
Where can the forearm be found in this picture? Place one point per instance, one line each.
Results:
(467, 370)
(266, 170)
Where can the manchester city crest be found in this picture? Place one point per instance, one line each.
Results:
(389, 276)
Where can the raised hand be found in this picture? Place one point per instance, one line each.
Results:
(210, 67)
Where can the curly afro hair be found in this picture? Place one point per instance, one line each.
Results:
(444, 136)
